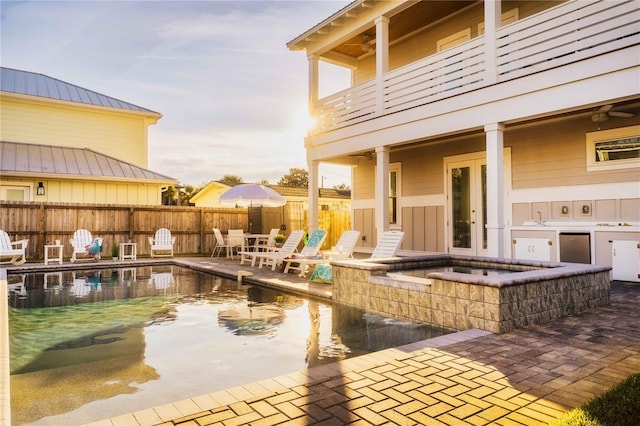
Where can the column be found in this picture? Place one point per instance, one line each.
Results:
(313, 82)
(313, 195)
(495, 189)
(382, 190)
(382, 59)
(492, 21)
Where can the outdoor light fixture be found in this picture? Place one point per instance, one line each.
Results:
(40, 189)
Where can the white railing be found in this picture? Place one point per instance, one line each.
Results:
(570, 32)
(567, 33)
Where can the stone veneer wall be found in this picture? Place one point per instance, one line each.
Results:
(497, 307)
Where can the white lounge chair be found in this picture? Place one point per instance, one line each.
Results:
(296, 262)
(79, 243)
(162, 244)
(275, 258)
(387, 247)
(343, 249)
(15, 250)
(260, 245)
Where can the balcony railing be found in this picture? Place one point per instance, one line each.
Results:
(567, 33)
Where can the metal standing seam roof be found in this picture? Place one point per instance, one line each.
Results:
(42, 86)
(64, 162)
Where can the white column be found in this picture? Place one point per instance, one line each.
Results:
(313, 82)
(382, 190)
(382, 59)
(495, 189)
(313, 195)
(492, 21)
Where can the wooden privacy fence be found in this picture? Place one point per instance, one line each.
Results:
(43, 223)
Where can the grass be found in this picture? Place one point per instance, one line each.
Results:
(619, 406)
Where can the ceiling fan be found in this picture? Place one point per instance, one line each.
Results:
(604, 112)
(366, 45)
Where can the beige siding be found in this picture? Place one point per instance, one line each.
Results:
(123, 136)
(424, 228)
(92, 192)
(555, 155)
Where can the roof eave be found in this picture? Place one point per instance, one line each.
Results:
(34, 175)
(39, 99)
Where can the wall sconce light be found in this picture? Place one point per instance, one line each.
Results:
(40, 189)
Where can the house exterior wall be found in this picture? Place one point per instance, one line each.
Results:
(120, 135)
(521, 97)
(89, 192)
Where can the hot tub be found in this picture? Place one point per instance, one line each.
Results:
(524, 293)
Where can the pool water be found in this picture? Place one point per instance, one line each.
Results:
(422, 273)
(90, 345)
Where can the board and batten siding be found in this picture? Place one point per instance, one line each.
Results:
(89, 192)
(122, 136)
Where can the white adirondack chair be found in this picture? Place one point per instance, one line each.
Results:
(15, 250)
(162, 243)
(81, 239)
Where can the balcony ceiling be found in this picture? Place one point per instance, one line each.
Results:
(403, 24)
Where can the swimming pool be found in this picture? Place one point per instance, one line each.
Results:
(89, 345)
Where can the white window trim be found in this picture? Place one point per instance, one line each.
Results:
(397, 167)
(29, 191)
(610, 135)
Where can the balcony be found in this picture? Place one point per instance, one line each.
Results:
(568, 33)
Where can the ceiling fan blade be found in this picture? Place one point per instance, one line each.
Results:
(620, 114)
(605, 108)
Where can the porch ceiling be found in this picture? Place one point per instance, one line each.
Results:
(406, 22)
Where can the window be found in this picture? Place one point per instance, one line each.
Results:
(393, 197)
(613, 149)
(394, 194)
(17, 192)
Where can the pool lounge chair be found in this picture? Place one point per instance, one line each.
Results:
(309, 253)
(387, 247)
(81, 242)
(275, 258)
(260, 245)
(162, 244)
(342, 250)
(15, 250)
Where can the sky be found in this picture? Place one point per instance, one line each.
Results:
(232, 96)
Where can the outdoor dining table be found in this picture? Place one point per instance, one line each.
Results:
(253, 242)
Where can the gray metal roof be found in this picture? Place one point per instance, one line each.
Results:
(40, 85)
(26, 159)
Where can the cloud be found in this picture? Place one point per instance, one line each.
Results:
(233, 98)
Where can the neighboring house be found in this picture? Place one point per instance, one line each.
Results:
(64, 143)
(468, 123)
(329, 198)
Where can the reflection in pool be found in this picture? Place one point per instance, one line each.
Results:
(96, 344)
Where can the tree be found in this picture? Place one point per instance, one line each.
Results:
(231, 180)
(296, 177)
(341, 186)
